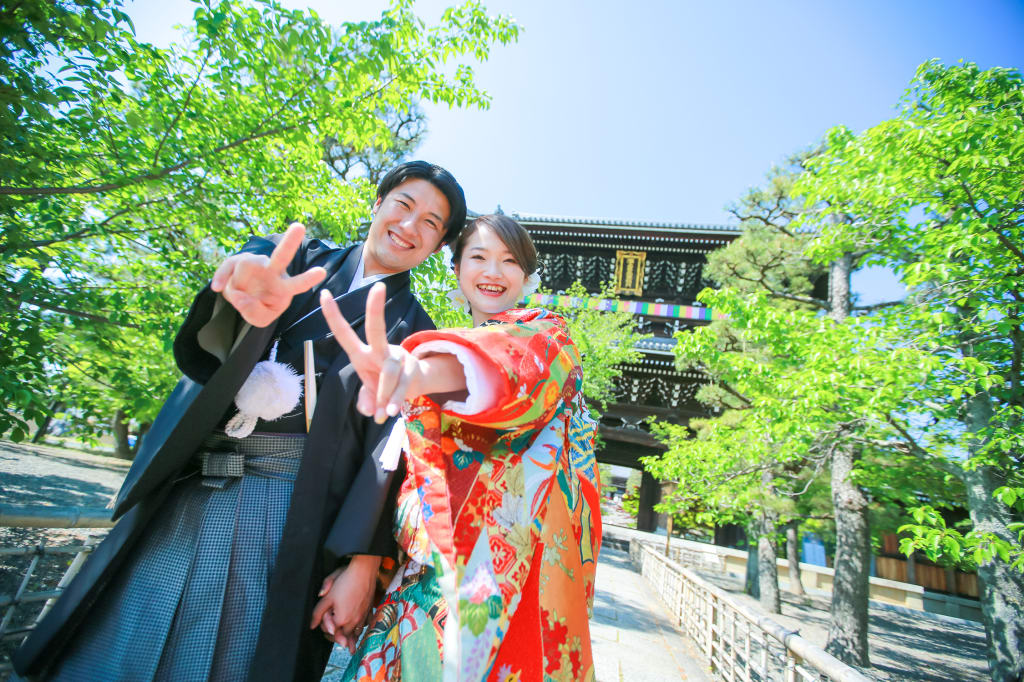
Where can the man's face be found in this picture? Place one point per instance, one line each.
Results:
(407, 226)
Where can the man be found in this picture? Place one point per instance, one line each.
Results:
(213, 570)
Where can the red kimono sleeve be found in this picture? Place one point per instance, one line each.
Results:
(522, 360)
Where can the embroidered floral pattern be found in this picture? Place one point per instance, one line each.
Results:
(502, 510)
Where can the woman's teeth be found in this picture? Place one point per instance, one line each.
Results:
(490, 288)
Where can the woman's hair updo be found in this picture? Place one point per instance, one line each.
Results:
(511, 233)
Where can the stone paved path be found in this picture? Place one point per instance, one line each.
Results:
(633, 634)
(904, 645)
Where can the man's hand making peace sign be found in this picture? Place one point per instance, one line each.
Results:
(259, 287)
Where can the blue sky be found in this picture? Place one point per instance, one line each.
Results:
(670, 110)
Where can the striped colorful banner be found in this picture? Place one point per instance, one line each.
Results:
(682, 312)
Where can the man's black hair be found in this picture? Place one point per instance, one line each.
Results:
(444, 181)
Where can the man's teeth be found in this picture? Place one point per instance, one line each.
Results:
(401, 242)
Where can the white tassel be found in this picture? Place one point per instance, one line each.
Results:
(272, 390)
(397, 441)
(241, 425)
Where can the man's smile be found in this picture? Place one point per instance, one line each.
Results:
(398, 241)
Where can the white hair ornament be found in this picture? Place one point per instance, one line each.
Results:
(531, 284)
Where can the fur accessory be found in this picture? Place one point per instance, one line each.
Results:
(272, 390)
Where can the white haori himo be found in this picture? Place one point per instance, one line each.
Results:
(272, 390)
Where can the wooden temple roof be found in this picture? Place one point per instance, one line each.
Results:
(624, 226)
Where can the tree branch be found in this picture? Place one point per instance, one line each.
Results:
(736, 394)
(89, 231)
(1009, 245)
(818, 303)
(156, 175)
(86, 372)
(109, 186)
(82, 315)
(181, 109)
(912, 447)
(874, 306)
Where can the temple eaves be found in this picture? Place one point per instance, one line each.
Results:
(628, 225)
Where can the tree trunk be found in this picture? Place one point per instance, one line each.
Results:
(767, 552)
(767, 566)
(796, 586)
(143, 430)
(752, 584)
(839, 287)
(55, 406)
(120, 427)
(848, 626)
(1002, 588)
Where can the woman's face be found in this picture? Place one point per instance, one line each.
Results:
(489, 275)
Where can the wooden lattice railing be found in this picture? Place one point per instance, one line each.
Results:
(736, 644)
(33, 571)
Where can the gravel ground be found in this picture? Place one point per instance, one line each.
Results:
(921, 647)
(46, 476)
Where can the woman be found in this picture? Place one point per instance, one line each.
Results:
(499, 514)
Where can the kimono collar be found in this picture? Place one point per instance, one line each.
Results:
(313, 326)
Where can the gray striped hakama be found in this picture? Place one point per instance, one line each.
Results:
(187, 604)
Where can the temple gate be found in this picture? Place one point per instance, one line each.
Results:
(657, 270)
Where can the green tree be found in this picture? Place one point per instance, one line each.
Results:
(631, 498)
(800, 387)
(733, 467)
(806, 382)
(127, 172)
(939, 195)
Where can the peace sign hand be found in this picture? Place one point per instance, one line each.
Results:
(390, 374)
(259, 287)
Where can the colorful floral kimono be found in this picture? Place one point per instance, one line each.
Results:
(498, 515)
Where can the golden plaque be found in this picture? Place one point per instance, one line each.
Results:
(629, 272)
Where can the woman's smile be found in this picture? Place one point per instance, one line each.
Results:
(491, 289)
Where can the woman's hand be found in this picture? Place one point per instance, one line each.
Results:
(345, 600)
(390, 374)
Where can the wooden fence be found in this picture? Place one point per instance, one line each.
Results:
(32, 589)
(928, 576)
(736, 644)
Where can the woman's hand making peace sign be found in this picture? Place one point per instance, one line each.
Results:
(390, 374)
